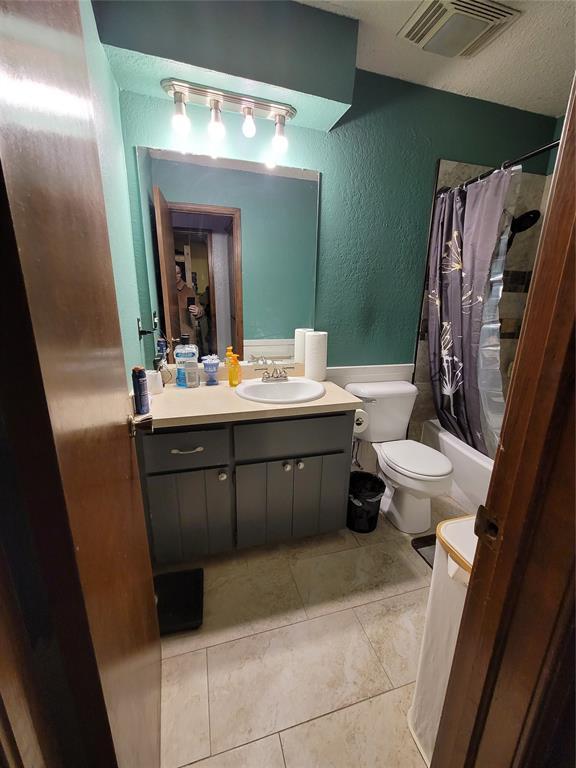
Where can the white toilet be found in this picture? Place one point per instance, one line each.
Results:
(413, 472)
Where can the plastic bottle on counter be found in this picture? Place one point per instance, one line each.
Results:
(234, 371)
(186, 358)
(228, 358)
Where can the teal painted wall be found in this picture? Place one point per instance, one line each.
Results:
(279, 238)
(115, 186)
(282, 43)
(378, 169)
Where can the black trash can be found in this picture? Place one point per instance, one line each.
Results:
(364, 496)
(179, 600)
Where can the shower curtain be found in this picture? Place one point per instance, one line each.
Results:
(467, 227)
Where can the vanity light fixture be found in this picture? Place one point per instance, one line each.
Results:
(219, 101)
(180, 120)
(216, 127)
(280, 142)
(248, 126)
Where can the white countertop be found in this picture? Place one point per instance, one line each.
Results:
(180, 407)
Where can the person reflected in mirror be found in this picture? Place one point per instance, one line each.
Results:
(190, 309)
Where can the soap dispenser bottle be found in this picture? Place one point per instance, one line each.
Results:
(234, 371)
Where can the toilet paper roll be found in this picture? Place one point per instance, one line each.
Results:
(315, 355)
(300, 343)
(360, 421)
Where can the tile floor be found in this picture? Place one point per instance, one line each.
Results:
(306, 657)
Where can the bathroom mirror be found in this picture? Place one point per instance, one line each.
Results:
(232, 250)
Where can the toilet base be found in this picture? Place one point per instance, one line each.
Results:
(408, 513)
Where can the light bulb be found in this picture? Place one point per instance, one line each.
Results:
(216, 127)
(180, 120)
(249, 126)
(280, 142)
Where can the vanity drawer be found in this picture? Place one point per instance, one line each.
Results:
(294, 437)
(173, 451)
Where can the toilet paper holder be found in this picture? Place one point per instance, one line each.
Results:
(361, 419)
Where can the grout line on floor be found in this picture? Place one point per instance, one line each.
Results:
(282, 749)
(300, 621)
(374, 651)
(244, 560)
(296, 725)
(340, 709)
(208, 702)
(298, 593)
(238, 746)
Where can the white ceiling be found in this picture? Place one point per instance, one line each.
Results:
(530, 66)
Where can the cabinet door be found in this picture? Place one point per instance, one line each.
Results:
(251, 505)
(193, 514)
(306, 505)
(279, 490)
(164, 516)
(334, 492)
(219, 509)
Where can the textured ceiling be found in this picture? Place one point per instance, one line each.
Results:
(530, 66)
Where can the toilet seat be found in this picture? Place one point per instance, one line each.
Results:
(416, 460)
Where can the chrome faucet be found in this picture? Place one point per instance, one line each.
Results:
(261, 360)
(278, 372)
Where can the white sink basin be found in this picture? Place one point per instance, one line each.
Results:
(292, 390)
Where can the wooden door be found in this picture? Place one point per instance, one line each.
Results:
(25, 737)
(65, 406)
(167, 263)
(510, 696)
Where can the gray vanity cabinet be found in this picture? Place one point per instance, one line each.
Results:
(190, 513)
(292, 498)
(212, 489)
(307, 492)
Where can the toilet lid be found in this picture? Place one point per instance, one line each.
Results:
(408, 456)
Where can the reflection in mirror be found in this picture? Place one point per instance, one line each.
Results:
(234, 251)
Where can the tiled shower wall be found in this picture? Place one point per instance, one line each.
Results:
(533, 194)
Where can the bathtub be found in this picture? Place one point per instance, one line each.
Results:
(472, 470)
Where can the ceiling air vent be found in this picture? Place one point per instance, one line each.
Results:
(457, 27)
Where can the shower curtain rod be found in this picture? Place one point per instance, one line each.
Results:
(510, 163)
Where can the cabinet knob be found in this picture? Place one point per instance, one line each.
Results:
(222, 476)
(287, 467)
(300, 465)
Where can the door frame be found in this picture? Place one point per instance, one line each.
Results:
(505, 703)
(207, 233)
(83, 617)
(235, 215)
(213, 322)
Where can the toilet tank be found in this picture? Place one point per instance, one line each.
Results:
(389, 406)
